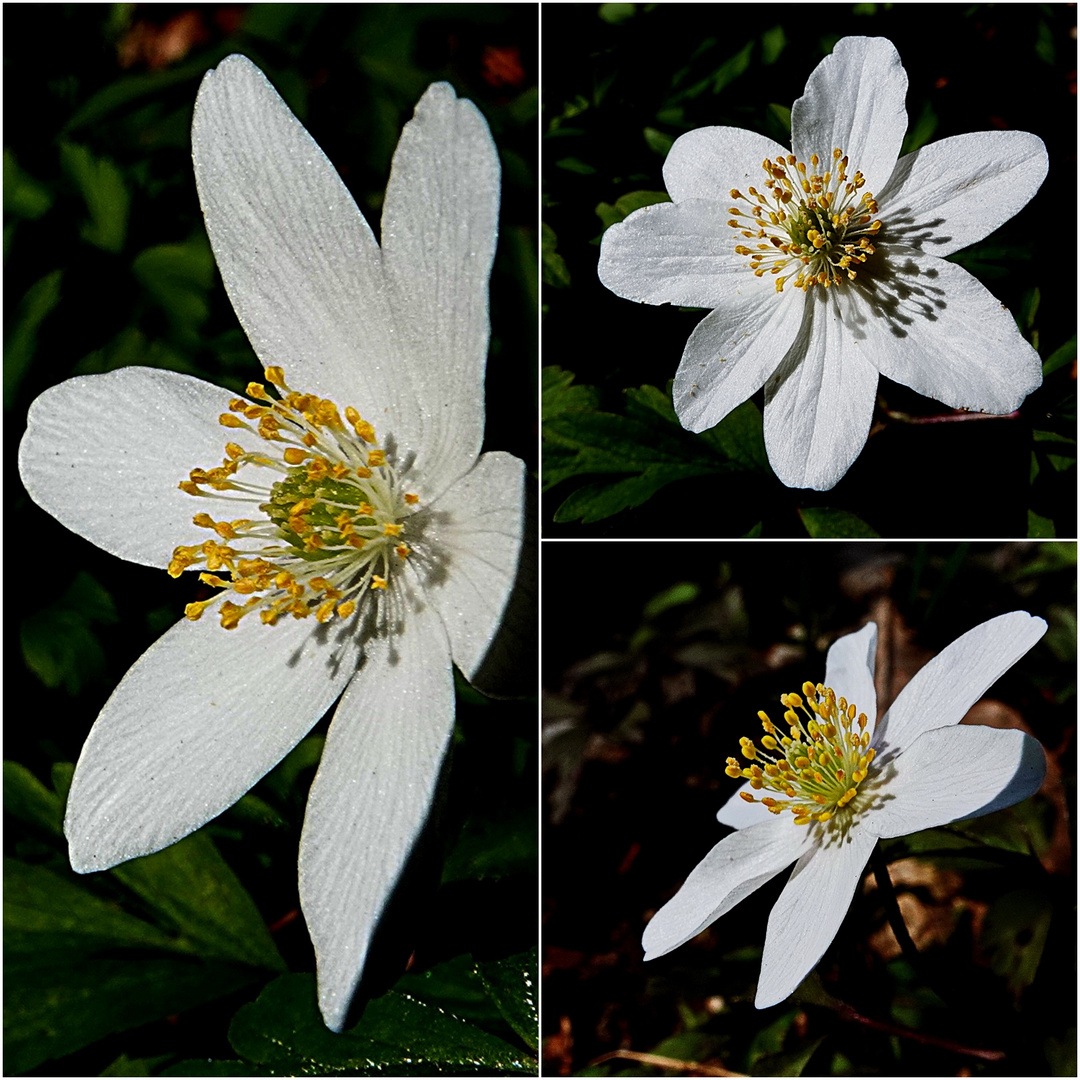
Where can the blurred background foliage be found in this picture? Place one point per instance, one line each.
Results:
(136, 970)
(642, 705)
(621, 83)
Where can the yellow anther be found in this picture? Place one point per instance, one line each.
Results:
(376, 458)
(392, 529)
(275, 376)
(194, 610)
(230, 421)
(294, 455)
(378, 582)
(411, 499)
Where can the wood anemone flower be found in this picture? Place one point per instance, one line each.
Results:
(830, 779)
(359, 555)
(825, 265)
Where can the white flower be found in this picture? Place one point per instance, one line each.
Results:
(851, 780)
(388, 530)
(817, 285)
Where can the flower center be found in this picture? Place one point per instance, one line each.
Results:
(331, 511)
(813, 226)
(818, 767)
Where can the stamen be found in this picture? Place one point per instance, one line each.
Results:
(819, 768)
(333, 512)
(816, 228)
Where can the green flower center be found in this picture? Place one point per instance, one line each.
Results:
(330, 524)
(818, 766)
(811, 226)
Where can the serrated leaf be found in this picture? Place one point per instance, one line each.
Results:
(820, 521)
(512, 984)
(396, 1035)
(558, 394)
(594, 502)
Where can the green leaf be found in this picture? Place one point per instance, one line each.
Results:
(559, 395)
(575, 165)
(78, 967)
(821, 521)
(190, 887)
(21, 345)
(178, 277)
(1014, 933)
(24, 197)
(612, 213)
(512, 984)
(45, 912)
(59, 1002)
(125, 1066)
(922, 130)
(657, 141)
(60, 644)
(28, 800)
(453, 986)
(1060, 357)
(772, 45)
(790, 1063)
(1040, 528)
(396, 1035)
(778, 122)
(685, 592)
(740, 437)
(555, 269)
(493, 847)
(616, 13)
(102, 187)
(594, 502)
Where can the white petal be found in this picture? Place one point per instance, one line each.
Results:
(476, 529)
(299, 261)
(104, 455)
(439, 225)
(805, 919)
(738, 813)
(819, 403)
(370, 798)
(677, 253)
(201, 716)
(732, 351)
(943, 691)
(953, 773)
(708, 163)
(955, 192)
(937, 329)
(854, 101)
(849, 670)
(736, 867)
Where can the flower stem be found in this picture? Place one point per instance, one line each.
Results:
(892, 908)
